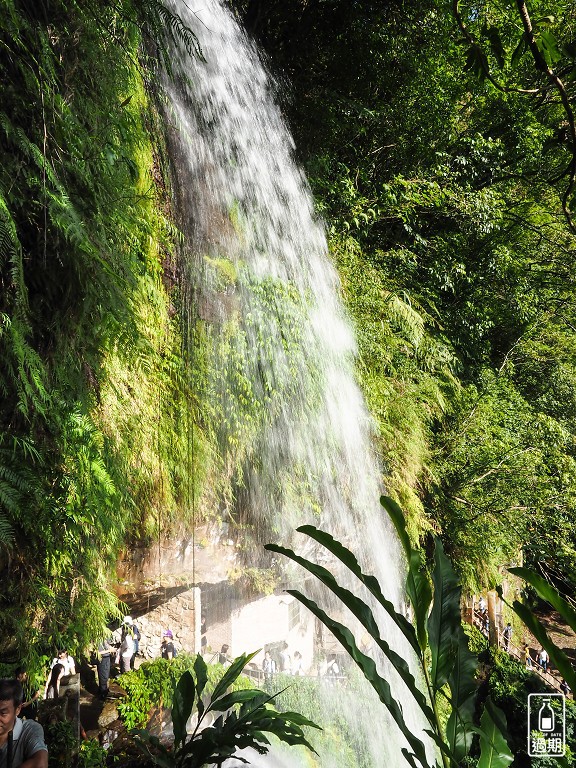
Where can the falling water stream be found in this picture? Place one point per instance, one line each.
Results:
(283, 349)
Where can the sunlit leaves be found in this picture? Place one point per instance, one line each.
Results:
(83, 313)
(548, 47)
(247, 716)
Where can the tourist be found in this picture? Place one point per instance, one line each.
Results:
(285, 660)
(103, 663)
(29, 707)
(66, 661)
(52, 687)
(126, 650)
(332, 668)
(543, 659)
(481, 604)
(297, 668)
(268, 666)
(484, 622)
(527, 657)
(507, 634)
(565, 688)
(223, 655)
(167, 648)
(136, 638)
(21, 741)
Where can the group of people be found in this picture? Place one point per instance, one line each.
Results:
(123, 652)
(542, 659)
(286, 664)
(292, 665)
(21, 736)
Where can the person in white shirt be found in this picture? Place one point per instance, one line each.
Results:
(285, 660)
(67, 662)
(332, 668)
(126, 645)
(297, 668)
(268, 666)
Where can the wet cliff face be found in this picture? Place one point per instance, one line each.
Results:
(164, 585)
(205, 557)
(293, 433)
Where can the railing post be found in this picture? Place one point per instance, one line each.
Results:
(493, 637)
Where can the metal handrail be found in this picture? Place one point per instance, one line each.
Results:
(547, 676)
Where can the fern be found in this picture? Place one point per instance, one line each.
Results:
(9, 243)
(410, 322)
(92, 382)
(16, 484)
(162, 24)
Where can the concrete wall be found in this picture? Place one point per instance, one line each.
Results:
(181, 614)
(265, 623)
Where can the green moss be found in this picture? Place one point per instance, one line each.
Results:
(97, 442)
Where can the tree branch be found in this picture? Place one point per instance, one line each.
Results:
(559, 85)
(471, 40)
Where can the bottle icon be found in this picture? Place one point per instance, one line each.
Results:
(546, 717)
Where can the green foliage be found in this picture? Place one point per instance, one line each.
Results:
(441, 186)
(62, 742)
(153, 685)
(437, 634)
(494, 750)
(407, 372)
(91, 754)
(551, 68)
(340, 741)
(243, 717)
(547, 593)
(92, 439)
(509, 684)
(441, 193)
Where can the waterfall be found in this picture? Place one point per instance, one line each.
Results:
(280, 376)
